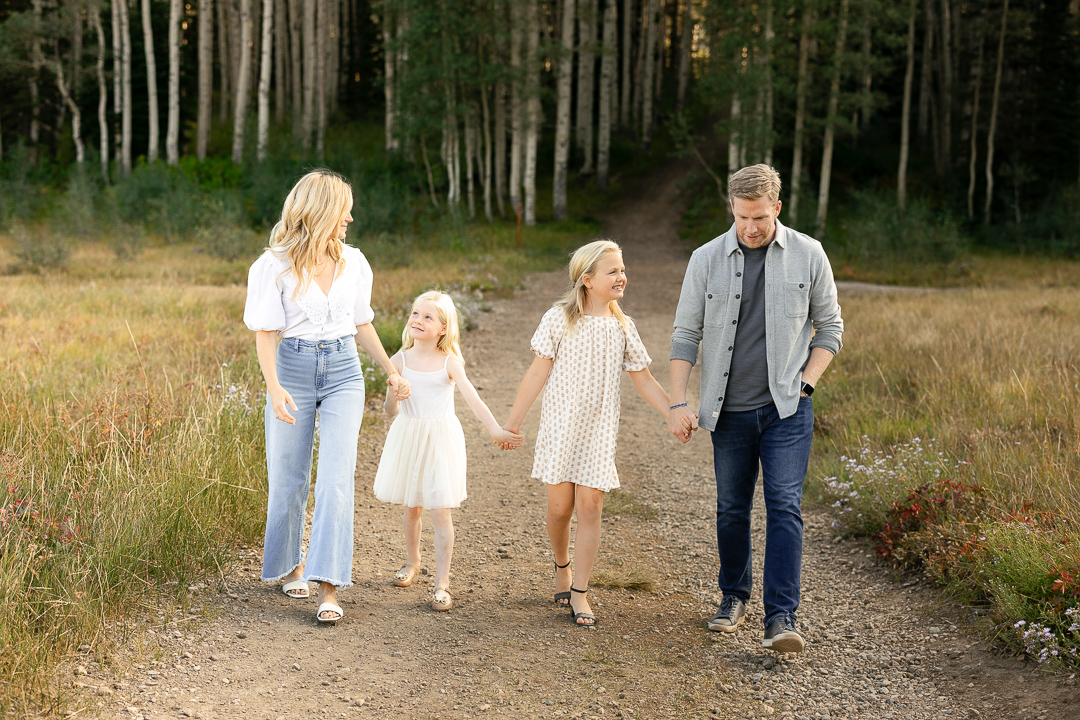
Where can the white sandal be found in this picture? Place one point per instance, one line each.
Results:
(329, 607)
(290, 588)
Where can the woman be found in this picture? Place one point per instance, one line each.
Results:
(313, 292)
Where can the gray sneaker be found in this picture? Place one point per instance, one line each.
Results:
(782, 636)
(730, 615)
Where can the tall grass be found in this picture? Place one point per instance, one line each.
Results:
(951, 429)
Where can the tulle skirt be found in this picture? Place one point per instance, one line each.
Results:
(423, 463)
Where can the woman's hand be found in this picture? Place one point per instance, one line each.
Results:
(399, 385)
(507, 440)
(280, 402)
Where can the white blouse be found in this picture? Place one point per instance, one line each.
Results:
(313, 315)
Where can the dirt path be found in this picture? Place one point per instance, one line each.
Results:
(876, 649)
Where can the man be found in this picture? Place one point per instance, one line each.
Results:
(760, 301)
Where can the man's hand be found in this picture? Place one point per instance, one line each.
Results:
(682, 423)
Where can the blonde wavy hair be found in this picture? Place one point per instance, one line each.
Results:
(582, 265)
(450, 342)
(309, 224)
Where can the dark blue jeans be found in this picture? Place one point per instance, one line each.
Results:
(782, 446)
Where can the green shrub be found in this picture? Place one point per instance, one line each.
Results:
(45, 249)
(877, 233)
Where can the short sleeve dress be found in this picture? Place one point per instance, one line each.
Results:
(579, 419)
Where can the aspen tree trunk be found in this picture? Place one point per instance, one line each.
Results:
(266, 50)
(389, 80)
(470, 155)
(946, 88)
(608, 52)
(118, 76)
(307, 120)
(801, 85)
(233, 12)
(587, 12)
(927, 66)
(532, 132)
(650, 66)
(735, 140)
(76, 54)
(639, 67)
(281, 60)
(322, 28)
(206, 76)
(975, 129)
(172, 131)
(686, 43)
(103, 91)
(628, 28)
(36, 62)
(517, 104)
(225, 59)
(562, 110)
(76, 115)
(830, 122)
(125, 124)
(430, 174)
(151, 80)
(993, 117)
(500, 118)
(767, 89)
(297, 76)
(658, 53)
(486, 118)
(905, 118)
(243, 79)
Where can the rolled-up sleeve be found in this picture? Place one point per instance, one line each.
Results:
(263, 310)
(362, 312)
(824, 309)
(690, 315)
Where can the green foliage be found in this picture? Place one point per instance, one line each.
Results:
(873, 232)
(39, 251)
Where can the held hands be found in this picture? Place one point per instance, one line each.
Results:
(399, 385)
(509, 438)
(281, 401)
(682, 423)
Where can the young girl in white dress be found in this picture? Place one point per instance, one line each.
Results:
(582, 346)
(423, 459)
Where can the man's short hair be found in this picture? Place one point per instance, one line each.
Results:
(755, 182)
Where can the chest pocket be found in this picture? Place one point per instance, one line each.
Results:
(715, 305)
(797, 299)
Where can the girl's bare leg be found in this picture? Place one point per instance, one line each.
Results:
(444, 546)
(412, 525)
(560, 510)
(590, 504)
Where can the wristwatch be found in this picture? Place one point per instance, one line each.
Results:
(808, 389)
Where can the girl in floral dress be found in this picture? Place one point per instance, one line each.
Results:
(582, 346)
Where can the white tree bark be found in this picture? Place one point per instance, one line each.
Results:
(587, 12)
(486, 123)
(151, 81)
(225, 59)
(533, 119)
(686, 42)
(562, 110)
(801, 84)
(125, 124)
(470, 155)
(172, 130)
(905, 118)
(830, 121)
(103, 91)
(206, 76)
(993, 116)
(389, 78)
(243, 90)
(36, 61)
(296, 55)
(281, 60)
(647, 84)
(264, 79)
(767, 90)
(927, 67)
(118, 76)
(76, 115)
(500, 147)
(735, 136)
(517, 106)
(974, 150)
(607, 95)
(307, 120)
(322, 60)
(946, 87)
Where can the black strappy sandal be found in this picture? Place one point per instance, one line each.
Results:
(575, 616)
(560, 596)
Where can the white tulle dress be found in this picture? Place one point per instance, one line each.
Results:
(423, 459)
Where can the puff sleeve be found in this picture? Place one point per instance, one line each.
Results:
(635, 357)
(362, 312)
(545, 341)
(264, 309)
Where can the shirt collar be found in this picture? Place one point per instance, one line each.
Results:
(731, 238)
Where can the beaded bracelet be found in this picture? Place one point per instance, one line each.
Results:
(677, 406)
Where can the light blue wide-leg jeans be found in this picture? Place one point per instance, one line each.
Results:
(325, 379)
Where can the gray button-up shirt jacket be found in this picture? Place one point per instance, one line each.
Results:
(801, 313)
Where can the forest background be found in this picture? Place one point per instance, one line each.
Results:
(145, 148)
